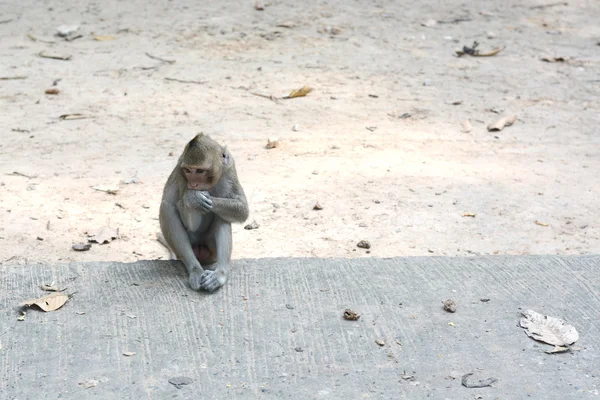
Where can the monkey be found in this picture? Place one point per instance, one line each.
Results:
(201, 199)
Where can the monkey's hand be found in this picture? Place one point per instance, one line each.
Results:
(199, 200)
(212, 280)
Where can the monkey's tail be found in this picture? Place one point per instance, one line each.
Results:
(161, 240)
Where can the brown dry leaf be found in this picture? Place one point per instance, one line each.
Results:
(468, 214)
(317, 206)
(104, 38)
(502, 123)
(547, 329)
(129, 353)
(272, 143)
(51, 302)
(69, 117)
(540, 223)
(103, 235)
(52, 91)
(303, 91)
(380, 342)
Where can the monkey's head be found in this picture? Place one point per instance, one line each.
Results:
(202, 162)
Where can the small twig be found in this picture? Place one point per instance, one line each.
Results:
(185, 81)
(455, 20)
(54, 56)
(559, 3)
(70, 39)
(270, 97)
(16, 173)
(161, 59)
(35, 39)
(11, 78)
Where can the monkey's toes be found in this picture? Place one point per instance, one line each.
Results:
(196, 280)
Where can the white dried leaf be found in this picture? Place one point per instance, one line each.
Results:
(547, 329)
(103, 235)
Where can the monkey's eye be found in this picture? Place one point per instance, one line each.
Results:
(200, 171)
(187, 170)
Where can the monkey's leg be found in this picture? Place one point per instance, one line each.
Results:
(221, 234)
(178, 240)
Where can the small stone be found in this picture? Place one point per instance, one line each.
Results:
(380, 342)
(351, 315)
(364, 244)
(289, 306)
(81, 247)
(295, 127)
(180, 381)
(299, 349)
(253, 225)
(67, 30)
(272, 143)
(450, 305)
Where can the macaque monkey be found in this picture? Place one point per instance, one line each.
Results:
(201, 199)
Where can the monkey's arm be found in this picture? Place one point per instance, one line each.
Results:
(174, 231)
(231, 209)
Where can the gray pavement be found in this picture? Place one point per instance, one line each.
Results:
(276, 330)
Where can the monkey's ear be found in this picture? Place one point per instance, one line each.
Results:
(225, 155)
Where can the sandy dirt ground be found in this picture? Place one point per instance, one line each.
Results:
(379, 142)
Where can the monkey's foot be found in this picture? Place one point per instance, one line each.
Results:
(196, 279)
(211, 280)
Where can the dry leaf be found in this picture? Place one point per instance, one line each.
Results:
(468, 214)
(501, 123)
(380, 342)
(317, 206)
(303, 91)
(547, 329)
(51, 302)
(540, 223)
(129, 353)
(450, 323)
(104, 38)
(52, 91)
(22, 316)
(272, 143)
(69, 117)
(103, 235)
(466, 126)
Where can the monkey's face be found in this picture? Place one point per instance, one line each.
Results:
(200, 177)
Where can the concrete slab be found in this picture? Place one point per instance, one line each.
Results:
(276, 330)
